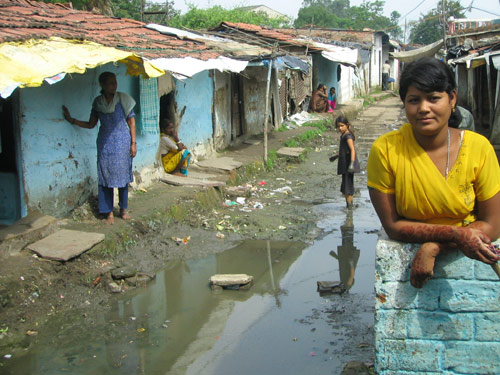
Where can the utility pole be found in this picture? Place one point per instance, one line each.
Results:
(443, 12)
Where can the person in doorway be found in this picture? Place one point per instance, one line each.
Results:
(433, 184)
(175, 156)
(116, 143)
(348, 163)
(386, 71)
(319, 100)
(332, 99)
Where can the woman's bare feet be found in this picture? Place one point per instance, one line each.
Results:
(179, 174)
(110, 219)
(124, 215)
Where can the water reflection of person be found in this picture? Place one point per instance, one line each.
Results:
(347, 254)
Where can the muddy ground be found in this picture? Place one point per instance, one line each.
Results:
(277, 207)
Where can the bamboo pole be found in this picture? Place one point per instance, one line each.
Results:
(271, 61)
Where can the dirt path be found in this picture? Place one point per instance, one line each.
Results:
(172, 222)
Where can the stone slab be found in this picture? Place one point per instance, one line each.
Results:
(26, 225)
(230, 279)
(65, 244)
(224, 163)
(190, 181)
(291, 151)
(253, 141)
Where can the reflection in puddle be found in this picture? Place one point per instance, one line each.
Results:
(177, 325)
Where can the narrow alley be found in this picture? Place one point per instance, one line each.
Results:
(299, 233)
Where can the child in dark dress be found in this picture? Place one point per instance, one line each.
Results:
(348, 163)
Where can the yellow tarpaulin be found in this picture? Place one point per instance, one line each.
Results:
(27, 64)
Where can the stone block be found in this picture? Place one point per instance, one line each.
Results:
(437, 325)
(454, 265)
(408, 355)
(487, 326)
(472, 357)
(484, 272)
(470, 296)
(390, 324)
(393, 259)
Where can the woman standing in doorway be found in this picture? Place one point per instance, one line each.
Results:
(116, 143)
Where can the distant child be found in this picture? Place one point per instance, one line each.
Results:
(348, 163)
(332, 99)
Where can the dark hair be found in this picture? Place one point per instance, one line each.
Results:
(104, 76)
(165, 123)
(343, 119)
(332, 88)
(320, 86)
(428, 75)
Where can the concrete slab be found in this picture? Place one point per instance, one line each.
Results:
(198, 180)
(230, 279)
(25, 226)
(253, 141)
(65, 244)
(291, 151)
(224, 163)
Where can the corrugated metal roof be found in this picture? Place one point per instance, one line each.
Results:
(22, 20)
(353, 36)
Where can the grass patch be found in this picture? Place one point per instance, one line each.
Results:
(272, 160)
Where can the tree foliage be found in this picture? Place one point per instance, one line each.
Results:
(338, 14)
(197, 19)
(429, 27)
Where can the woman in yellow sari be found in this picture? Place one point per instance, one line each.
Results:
(174, 155)
(432, 184)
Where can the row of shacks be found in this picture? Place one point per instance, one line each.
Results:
(473, 52)
(213, 86)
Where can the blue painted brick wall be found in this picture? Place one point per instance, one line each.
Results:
(451, 326)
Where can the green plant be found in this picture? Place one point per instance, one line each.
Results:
(272, 160)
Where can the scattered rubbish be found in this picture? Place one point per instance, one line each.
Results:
(284, 189)
(141, 329)
(363, 345)
(7, 356)
(220, 235)
(240, 200)
(295, 339)
(22, 278)
(312, 354)
(231, 281)
(333, 157)
(180, 240)
(31, 333)
(114, 287)
(262, 183)
(142, 189)
(229, 202)
(281, 227)
(133, 318)
(330, 287)
(97, 280)
(280, 179)
(164, 326)
(258, 205)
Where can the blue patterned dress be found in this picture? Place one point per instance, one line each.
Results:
(114, 163)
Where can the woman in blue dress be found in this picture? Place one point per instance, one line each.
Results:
(116, 144)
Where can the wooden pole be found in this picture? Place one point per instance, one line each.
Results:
(271, 61)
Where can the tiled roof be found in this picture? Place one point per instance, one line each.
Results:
(22, 20)
(268, 35)
(354, 36)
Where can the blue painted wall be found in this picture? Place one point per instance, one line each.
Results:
(326, 72)
(194, 98)
(59, 159)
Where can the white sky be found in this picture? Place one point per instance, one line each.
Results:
(291, 7)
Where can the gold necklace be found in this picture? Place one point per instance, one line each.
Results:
(447, 156)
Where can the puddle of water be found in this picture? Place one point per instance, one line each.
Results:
(281, 325)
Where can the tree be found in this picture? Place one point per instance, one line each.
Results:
(429, 27)
(203, 19)
(338, 14)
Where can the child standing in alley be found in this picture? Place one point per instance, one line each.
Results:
(348, 163)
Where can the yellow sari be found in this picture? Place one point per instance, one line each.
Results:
(171, 160)
(399, 165)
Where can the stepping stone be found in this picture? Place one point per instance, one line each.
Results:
(190, 181)
(224, 163)
(291, 151)
(65, 244)
(231, 281)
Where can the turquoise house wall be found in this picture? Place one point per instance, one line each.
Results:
(59, 159)
(326, 73)
(450, 326)
(194, 98)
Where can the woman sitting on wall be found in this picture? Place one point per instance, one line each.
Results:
(433, 184)
(174, 155)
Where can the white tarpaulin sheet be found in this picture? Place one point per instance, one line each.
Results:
(343, 55)
(187, 67)
(427, 51)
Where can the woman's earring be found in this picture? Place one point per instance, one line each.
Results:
(453, 108)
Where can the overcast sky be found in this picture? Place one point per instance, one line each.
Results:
(411, 9)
